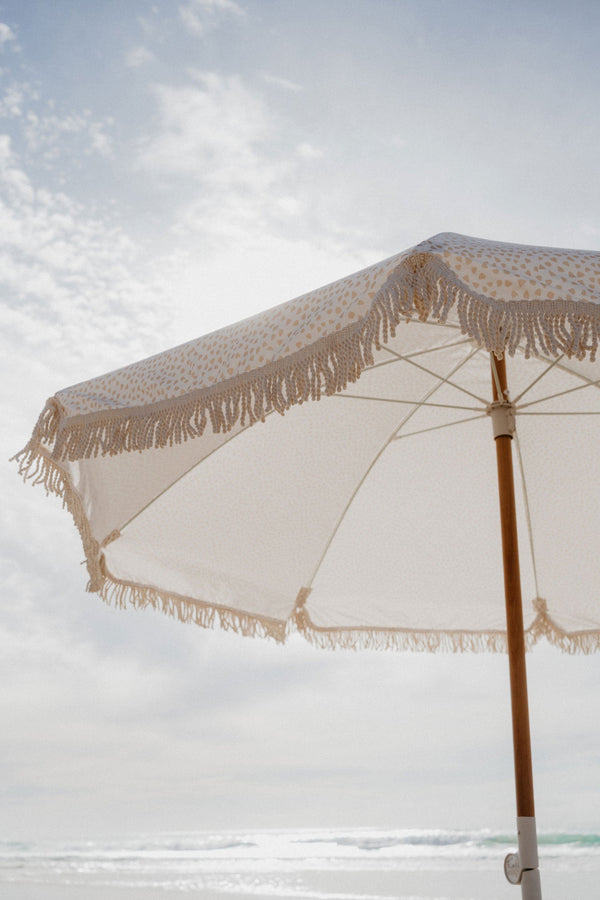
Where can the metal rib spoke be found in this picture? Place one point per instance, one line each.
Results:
(578, 387)
(406, 402)
(439, 377)
(583, 412)
(527, 512)
(399, 437)
(397, 357)
(554, 362)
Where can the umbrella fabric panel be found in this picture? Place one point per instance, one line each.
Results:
(115, 488)
(561, 484)
(246, 528)
(429, 570)
(519, 274)
(558, 415)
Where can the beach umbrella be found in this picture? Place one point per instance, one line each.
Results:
(326, 467)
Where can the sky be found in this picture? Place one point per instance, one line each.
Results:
(167, 168)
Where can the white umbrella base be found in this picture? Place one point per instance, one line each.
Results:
(522, 867)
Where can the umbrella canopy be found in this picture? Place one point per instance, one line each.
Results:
(368, 518)
(208, 482)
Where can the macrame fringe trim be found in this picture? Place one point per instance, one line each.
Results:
(425, 287)
(543, 626)
(422, 286)
(37, 466)
(122, 594)
(40, 469)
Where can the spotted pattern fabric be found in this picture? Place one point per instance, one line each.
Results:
(235, 350)
(494, 272)
(516, 273)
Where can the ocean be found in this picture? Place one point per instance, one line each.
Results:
(306, 864)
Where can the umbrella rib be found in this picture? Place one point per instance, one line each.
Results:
(458, 343)
(397, 358)
(527, 512)
(383, 447)
(458, 387)
(400, 437)
(187, 471)
(441, 381)
(342, 516)
(583, 412)
(406, 402)
(496, 379)
(589, 382)
(579, 387)
(539, 377)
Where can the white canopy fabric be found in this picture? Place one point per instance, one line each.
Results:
(208, 481)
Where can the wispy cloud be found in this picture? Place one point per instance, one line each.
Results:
(199, 16)
(308, 151)
(7, 35)
(216, 147)
(71, 281)
(15, 98)
(237, 175)
(284, 83)
(47, 132)
(209, 129)
(138, 56)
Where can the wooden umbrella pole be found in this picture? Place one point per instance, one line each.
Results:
(522, 868)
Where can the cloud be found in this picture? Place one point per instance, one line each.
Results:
(210, 130)
(399, 142)
(11, 102)
(6, 34)
(49, 134)
(15, 99)
(282, 83)
(14, 181)
(138, 56)
(238, 176)
(71, 281)
(308, 151)
(199, 16)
